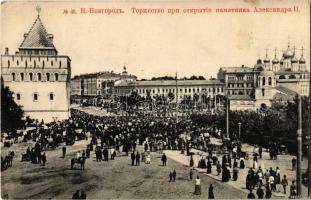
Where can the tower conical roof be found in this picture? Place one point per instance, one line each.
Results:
(37, 37)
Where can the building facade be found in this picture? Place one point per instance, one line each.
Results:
(179, 89)
(98, 84)
(38, 76)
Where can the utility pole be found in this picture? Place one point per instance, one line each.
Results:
(176, 98)
(309, 145)
(227, 116)
(299, 149)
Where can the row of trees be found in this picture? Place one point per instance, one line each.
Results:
(193, 77)
(11, 113)
(278, 123)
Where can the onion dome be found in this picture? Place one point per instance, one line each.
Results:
(302, 60)
(259, 61)
(294, 60)
(275, 61)
(289, 53)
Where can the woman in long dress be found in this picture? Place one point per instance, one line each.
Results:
(197, 187)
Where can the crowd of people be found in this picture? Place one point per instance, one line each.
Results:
(111, 134)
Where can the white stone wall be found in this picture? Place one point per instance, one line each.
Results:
(42, 108)
(58, 68)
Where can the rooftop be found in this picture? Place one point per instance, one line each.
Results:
(172, 83)
(37, 37)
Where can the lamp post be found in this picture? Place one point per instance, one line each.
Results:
(299, 150)
(239, 130)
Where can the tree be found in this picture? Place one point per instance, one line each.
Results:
(11, 113)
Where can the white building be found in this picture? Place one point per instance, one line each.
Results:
(179, 89)
(38, 76)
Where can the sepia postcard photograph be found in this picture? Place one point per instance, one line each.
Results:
(155, 99)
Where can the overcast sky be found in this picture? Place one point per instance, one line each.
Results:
(161, 44)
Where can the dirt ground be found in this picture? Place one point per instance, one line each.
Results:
(102, 180)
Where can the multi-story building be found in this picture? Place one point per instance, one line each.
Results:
(38, 76)
(179, 89)
(100, 83)
(279, 80)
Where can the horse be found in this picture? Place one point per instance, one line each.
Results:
(80, 161)
(7, 161)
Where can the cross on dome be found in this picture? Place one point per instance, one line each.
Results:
(38, 8)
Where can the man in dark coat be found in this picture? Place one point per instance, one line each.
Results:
(137, 158)
(164, 159)
(174, 175)
(211, 192)
(133, 158)
(209, 167)
(260, 152)
(64, 151)
(260, 192)
(191, 174)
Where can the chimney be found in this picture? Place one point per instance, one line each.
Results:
(6, 51)
(25, 35)
(50, 36)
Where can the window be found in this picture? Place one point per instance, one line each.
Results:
(8, 63)
(51, 62)
(34, 64)
(270, 81)
(56, 78)
(263, 92)
(26, 64)
(60, 64)
(18, 96)
(13, 77)
(51, 96)
(39, 76)
(30, 76)
(240, 78)
(35, 96)
(47, 76)
(17, 62)
(22, 76)
(43, 63)
(264, 81)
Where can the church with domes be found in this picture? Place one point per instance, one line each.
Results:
(250, 88)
